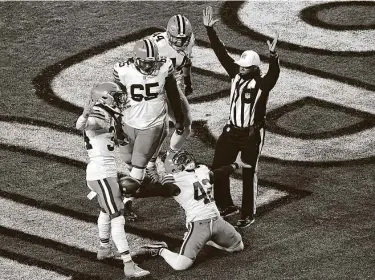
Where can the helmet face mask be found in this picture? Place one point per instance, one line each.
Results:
(179, 32)
(146, 57)
(184, 161)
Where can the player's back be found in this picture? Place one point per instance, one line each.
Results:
(100, 146)
(146, 101)
(196, 194)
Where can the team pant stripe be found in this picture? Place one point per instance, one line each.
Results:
(106, 197)
(182, 251)
(112, 198)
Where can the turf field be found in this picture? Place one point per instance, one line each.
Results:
(316, 198)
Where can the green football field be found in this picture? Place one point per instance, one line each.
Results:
(315, 215)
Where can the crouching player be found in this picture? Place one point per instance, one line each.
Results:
(101, 130)
(191, 186)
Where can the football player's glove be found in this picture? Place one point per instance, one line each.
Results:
(146, 56)
(179, 32)
(188, 88)
(179, 128)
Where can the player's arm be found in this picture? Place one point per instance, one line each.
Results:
(95, 119)
(186, 70)
(164, 190)
(218, 47)
(174, 98)
(223, 171)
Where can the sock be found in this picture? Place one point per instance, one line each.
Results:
(177, 141)
(151, 163)
(119, 237)
(137, 173)
(104, 227)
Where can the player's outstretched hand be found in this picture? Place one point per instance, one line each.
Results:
(272, 46)
(87, 108)
(207, 17)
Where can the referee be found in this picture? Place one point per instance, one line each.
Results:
(244, 131)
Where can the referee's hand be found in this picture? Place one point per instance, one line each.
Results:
(207, 17)
(179, 128)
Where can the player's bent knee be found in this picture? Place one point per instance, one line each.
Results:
(182, 263)
(237, 248)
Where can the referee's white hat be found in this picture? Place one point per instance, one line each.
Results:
(248, 58)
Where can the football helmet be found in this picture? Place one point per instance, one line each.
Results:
(108, 93)
(146, 56)
(179, 32)
(181, 161)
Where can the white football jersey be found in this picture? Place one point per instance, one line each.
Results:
(179, 58)
(196, 194)
(100, 146)
(146, 98)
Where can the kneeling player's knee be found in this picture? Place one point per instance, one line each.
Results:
(238, 247)
(182, 263)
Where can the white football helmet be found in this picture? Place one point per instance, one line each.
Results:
(108, 93)
(146, 56)
(179, 32)
(181, 161)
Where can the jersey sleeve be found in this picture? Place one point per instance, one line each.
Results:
(170, 67)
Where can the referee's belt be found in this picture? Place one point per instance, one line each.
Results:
(238, 128)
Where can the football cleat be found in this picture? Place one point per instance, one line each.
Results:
(244, 223)
(179, 32)
(229, 211)
(146, 57)
(131, 269)
(106, 252)
(153, 249)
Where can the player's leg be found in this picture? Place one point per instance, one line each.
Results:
(225, 237)
(109, 197)
(195, 238)
(151, 169)
(145, 146)
(250, 154)
(177, 141)
(226, 152)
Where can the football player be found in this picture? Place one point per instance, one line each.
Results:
(176, 43)
(148, 79)
(101, 130)
(191, 186)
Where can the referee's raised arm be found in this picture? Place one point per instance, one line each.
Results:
(226, 61)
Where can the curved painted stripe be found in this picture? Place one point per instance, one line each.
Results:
(267, 16)
(292, 86)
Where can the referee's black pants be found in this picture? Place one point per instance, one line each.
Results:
(232, 141)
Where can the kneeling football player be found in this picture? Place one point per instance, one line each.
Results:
(191, 186)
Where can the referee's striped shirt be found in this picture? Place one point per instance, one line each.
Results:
(248, 98)
(244, 97)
